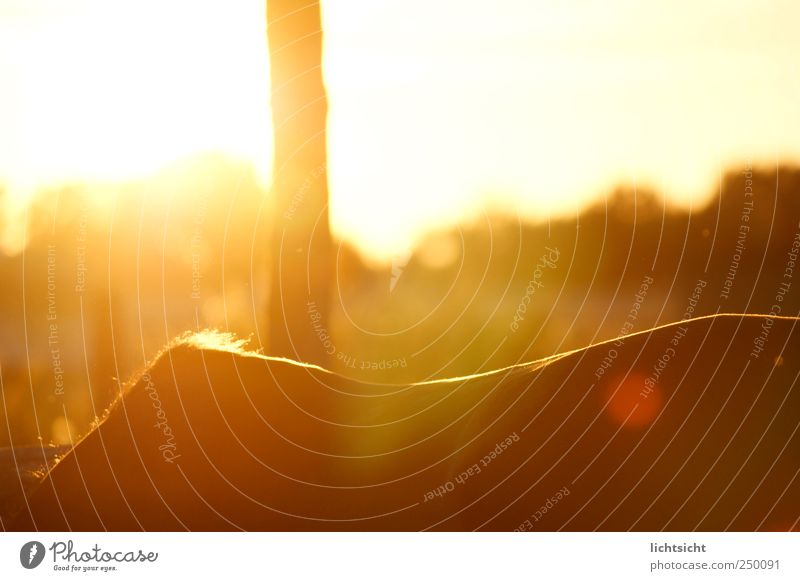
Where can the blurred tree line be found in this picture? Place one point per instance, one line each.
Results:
(107, 279)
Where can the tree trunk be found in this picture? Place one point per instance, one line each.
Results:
(300, 250)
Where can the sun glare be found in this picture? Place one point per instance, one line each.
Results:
(436, 109)
(115, 90)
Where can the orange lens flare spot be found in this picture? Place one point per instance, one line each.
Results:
(630, 401)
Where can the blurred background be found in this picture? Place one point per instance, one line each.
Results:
(474, 186)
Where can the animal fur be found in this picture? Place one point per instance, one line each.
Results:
(214, 438)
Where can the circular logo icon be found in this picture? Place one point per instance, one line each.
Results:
(31, 554)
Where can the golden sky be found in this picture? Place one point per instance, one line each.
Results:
(439, 108)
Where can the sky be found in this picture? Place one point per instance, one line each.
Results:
(439, 109)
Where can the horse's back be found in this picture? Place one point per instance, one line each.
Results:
(678, 428)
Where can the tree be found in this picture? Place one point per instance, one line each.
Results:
(300, 242)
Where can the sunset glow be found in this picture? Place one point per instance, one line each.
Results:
(437, 110)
